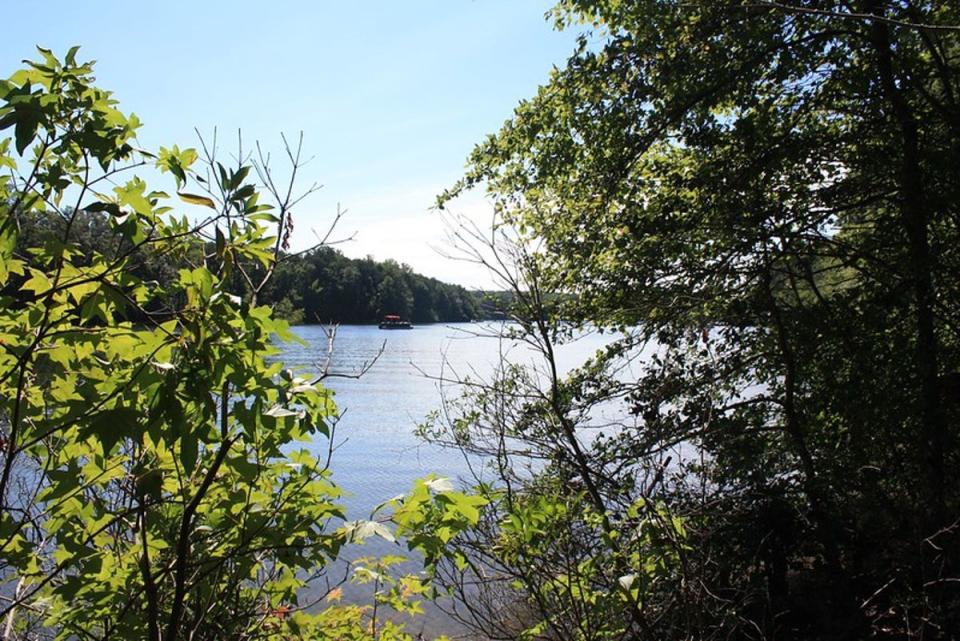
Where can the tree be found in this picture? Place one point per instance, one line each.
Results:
(325, 286)
(762, 198)
(152, 485)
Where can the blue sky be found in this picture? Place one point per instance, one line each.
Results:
(391, 96)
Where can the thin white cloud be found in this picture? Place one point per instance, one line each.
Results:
(402, 225)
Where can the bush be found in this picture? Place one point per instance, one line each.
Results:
(152, 482)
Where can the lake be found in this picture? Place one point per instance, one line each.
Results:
(377, 454)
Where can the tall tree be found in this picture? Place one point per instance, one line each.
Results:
(767, 192)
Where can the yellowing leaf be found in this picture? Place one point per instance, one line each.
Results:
(194, 199)
(335, 595)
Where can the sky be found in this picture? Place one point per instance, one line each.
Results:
(391, 96)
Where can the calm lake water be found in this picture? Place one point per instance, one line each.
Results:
(377, 454)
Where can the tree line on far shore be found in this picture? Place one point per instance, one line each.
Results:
(318, 286)
(323, 285)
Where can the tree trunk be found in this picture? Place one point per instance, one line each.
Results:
(914, 219)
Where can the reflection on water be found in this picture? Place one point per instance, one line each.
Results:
(377, 454)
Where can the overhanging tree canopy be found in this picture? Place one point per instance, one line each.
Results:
(770, 191)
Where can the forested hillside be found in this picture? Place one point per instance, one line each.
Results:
(323, 285)
(319, 286)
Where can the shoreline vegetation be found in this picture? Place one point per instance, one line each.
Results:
(759, 201)
(319, 286)
(155, 479)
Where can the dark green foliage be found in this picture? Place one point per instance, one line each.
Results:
(764, 198)
(319, 286)
(92, 234)
(326, 286)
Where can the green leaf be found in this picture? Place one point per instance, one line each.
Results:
(110, 426)
(27, 122)
(111, 208)
(238, 177)
(71, 57)
(189, 451)
(194, 199)
(221, 242)
(134, 194)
